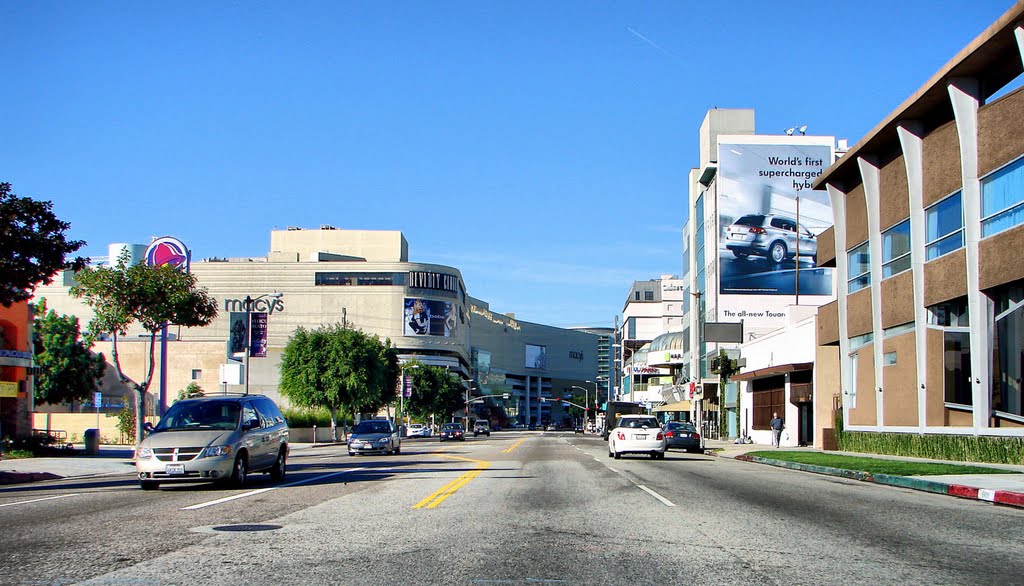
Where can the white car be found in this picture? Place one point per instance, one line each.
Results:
(417, 430)
(637, 434)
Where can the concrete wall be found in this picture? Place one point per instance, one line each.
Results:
(899, 382)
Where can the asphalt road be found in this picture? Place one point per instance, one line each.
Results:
(516, 508)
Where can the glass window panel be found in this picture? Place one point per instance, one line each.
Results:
(897, 266)
(1003, 189)
(957, 367)
(889, 359)
(859, 283)
(896, 241)
(1008, 363)
(944, 218)
(945, 246)
(858, 261)
(998, 223)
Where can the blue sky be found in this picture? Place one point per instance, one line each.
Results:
(540, 147)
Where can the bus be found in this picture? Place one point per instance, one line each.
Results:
(614, 409)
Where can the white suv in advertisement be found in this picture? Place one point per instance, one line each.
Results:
(773, 237)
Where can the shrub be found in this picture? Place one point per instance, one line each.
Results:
(308, 417)
(960, 448)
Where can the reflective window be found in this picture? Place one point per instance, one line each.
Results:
(1002, 199)
(956, 365)
(1008, 352)
(896, 249)
(951, 314)
(858, 269)
(944, 223)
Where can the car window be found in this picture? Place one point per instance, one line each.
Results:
(782, 224)
(639, 423)
(750, 221)
(269, 412)
(249, 415)
(373, 427)
(200, 415)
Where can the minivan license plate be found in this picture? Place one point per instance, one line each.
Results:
(175, 469)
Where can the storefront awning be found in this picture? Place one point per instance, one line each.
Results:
(673, 407)
(772, 371)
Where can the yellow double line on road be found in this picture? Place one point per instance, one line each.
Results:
(514, 446)
(449, 489)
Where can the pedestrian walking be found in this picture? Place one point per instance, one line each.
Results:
(777, 426)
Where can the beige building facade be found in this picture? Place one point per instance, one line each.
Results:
(926, 333)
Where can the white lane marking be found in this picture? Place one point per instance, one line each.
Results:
(663, 500)
(49, 498)
(263, 490)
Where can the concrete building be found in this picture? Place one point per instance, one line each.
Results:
(16, 365)
(926, 335)
(755, 225)
(364, 280)
(652, 308)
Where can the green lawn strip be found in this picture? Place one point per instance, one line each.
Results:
(876, 465)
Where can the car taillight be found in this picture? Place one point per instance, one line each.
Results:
(696, 436)
(622, 436)
(670, 434)
(661, 436)
(756, 230)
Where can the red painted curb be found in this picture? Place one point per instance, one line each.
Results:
(1004, 497)
(964, 492)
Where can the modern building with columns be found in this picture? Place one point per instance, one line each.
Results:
(926, 335)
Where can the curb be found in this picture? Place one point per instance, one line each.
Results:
(999, 497)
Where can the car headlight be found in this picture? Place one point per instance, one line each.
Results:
(145, 453)
(383, 440)
(218, 450)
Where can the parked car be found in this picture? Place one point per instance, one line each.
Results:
(481, 427)
(209, 439)
(417, 430)
(773, 237)
(682, 435)
(452, 431)
(637, 434)
(375, 436)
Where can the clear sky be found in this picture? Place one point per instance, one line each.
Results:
(541, 147)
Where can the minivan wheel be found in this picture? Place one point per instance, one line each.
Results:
(777, 252)
(148, 485)
(279, 469)
(239, 472)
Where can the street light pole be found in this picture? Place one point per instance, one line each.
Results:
(248, 330)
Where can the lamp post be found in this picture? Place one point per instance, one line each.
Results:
(248, 329)
(586, 400)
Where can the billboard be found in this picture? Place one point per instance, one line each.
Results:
(536, 356)
(427, 317)
(769, 220)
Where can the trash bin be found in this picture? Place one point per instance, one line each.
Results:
(92, 442)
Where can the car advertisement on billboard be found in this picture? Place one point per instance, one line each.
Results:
(770, 218)
(427, 317)
(769, 222)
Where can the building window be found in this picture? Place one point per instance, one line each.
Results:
(949, 314)
(956, 365)
(858, 269)
(648, 295)
(897, 330)
(1002, 199)
(197, 374)
(945, 227)
(637, 295)
(889, 359)
(896, 249)
(861, 341)
(359, 279)
(1008, 352)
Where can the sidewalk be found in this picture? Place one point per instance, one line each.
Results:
(1004, 489)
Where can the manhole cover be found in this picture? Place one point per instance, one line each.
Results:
(246, 527)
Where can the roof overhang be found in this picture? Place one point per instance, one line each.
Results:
(773, 371)
(673, 407)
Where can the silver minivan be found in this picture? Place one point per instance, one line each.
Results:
(221, 438)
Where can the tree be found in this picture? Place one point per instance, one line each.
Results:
(191, 391)
(33, 247)
(150, 295)
(338, 369)
(435, 391)
(70, 371)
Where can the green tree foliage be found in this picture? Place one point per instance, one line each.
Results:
(338, 369)
(435, 392)
(69, 370)
(191, 391)
(149, 295)
(32, 246)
